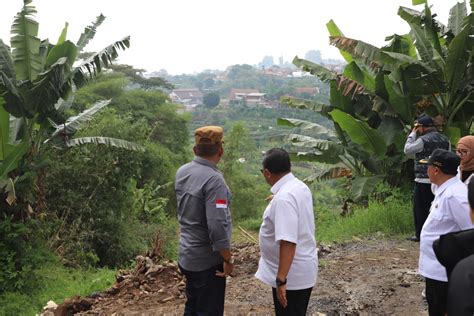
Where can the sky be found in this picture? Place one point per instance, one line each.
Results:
(188, 36)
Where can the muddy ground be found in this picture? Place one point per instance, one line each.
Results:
(357, 278)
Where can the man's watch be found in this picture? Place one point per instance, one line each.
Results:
(230, 261)
(280, 282)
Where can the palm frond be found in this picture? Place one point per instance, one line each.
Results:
(89, 32)
(25, 44)
(108, 141)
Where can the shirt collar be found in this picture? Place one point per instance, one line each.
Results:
(445, 185)
(283, 180)
(205, 162)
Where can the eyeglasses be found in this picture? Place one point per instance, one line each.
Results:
(462, 152)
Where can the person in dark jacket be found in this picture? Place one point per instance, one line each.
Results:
(456, 252)
(421, 142)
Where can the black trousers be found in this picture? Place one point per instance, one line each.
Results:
(205, 292)
(422, 198)
(437, 297)
(297, 302)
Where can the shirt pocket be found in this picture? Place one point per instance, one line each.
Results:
(437, 215)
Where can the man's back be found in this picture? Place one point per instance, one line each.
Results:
(203, 214)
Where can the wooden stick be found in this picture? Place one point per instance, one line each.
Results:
(246, 234)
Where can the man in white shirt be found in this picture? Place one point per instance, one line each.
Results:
(449, 212)
(289, 261)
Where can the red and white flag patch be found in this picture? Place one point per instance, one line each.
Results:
(221, 204)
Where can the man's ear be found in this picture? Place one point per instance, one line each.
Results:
(194, 149)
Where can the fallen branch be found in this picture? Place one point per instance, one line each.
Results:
(248, 235)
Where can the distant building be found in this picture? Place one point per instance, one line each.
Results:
(307, 90)
(190, 98)
(249, 97)
(239, 94)
(278, 71)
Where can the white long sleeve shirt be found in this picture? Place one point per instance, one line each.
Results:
(449, 212)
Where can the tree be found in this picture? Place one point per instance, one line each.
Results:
(381, 91)
(37, 82)
(136, 76)
(37, 79)
(211, 99)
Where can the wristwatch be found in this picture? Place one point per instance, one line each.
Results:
(280, 282)
(231, 260)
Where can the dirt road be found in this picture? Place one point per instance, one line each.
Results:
(358, 278)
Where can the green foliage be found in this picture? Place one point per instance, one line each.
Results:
(19, 256)
(246, 184)
(56, 283)
(388, 213)
(211, 99)
(381, 91)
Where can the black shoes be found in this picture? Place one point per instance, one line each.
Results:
(413, 238)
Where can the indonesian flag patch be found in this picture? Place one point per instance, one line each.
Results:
(221, 204)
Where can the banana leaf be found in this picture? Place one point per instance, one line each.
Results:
(25, 45)
(323, 73)
(335, 31)
(89, 33)
(457, 14)
(361, 76)
(400, 44)
(74, 123)
(305, 125)
(328, 174)
(363, 186)
(459, 55)
(108, 141)
(298, 103)
(12, 159)
(6, 62)
(360, 132)
(4, 129)
(66, 49)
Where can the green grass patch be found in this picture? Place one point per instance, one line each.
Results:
(55, 283)
(391, 217)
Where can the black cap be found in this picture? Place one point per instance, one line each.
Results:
(445, 160)
(424, 120)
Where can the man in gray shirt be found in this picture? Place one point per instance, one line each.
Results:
(203, 198)
(421, 142)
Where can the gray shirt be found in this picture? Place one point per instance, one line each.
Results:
(414, 145)
(203, 213)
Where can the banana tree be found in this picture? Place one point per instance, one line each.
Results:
(37, 78)
(382, 90)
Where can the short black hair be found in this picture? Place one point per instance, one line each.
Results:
(470, 192)
(207, 150)
(277, 161)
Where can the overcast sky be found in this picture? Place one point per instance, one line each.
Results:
(186, 36)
